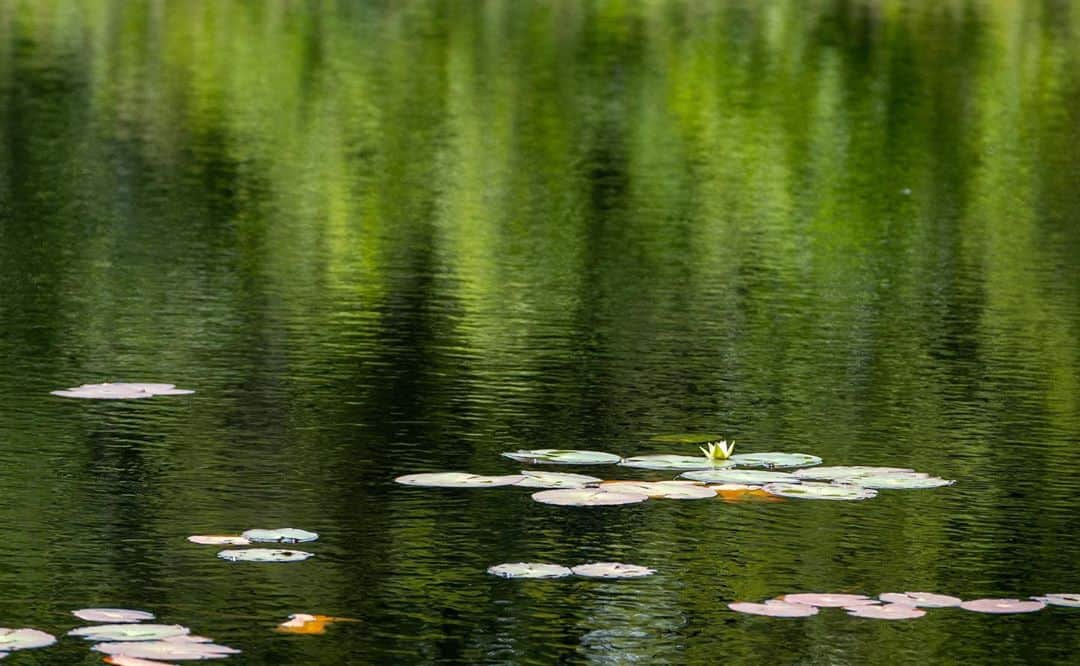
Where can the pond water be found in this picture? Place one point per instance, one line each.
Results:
(385, 238)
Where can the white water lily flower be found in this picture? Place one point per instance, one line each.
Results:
(718, 450)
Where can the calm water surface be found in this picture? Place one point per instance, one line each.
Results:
(381, 238)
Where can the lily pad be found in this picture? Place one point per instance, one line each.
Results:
(129, 632)
(280, 535)
(120, 391)
(556, 480)
(264, 555)
(1003, 606)
(897, 481)
(921, 599)
(587, 497)
(819, 491)
(1067, 600)
(611, 570)
(829, 600)
(218, 540)
(886, 611)
(121, 660)
(741, 476)
(670, 462)
(24, 639)
(563, 457)
(775, 460)
(303, 623)
(687, 438)
(166, 649)
(458, 480)
(738, 492)
(529, 570)
(682, 490)
(774, 608)
(845, 472)
(112, 615)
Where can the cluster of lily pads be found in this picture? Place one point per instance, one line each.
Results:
(590, 570)
(896, 605)
(280, 535)
(120, 391)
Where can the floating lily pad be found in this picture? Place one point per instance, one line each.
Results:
(556, 480)
(774, 608)
(587, 497)
(24, 639)
(529, 570)
(742, 476)
(829, 600)
(280, 535)
(120, 391)
(129, 632)
(458, 480)
(121, 660)
(1067, 600)
(739, 492)
(1002, 605)
(670, 462)
(611, 570)
(886, 611)
(112, 615)
(775, 460)
(218, 540)
(687, 438)
(920, 599)
(845, 472)
(563, 457)
(264, 555)
(166, 649)
(819, 491)
(683, 490)
(897, 481)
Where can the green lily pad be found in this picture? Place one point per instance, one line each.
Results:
(773, 460)
(820, 491)
(264, 555)
(129, 632)
(24, 639)
(897, 481)
(458, 480)
(681, 490)
(563, 457)
(112, 615)
(743, 476)
(556, 480)
(675, 462)
(166, 649)
(280, 535)
(687, 438)
(846, 472)
(587, 497)
(529, 570)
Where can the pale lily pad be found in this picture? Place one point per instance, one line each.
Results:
(819, 491)
(1067, 600)
(121, 660)
(611, 570)
(129, 632)
(921, 599)
(682, 490)
(670, 462)
(556, 480)
(112, 615)
(24, 639)
(897, 481)
(264, 555)
(687, 438)
(280, 535)
(829, 600)
(529, 570)
(1003, 606)
(739, 476)
(458, 480)
(563, 457)
(774, 608)
(886, 611)
(775, 460)
(587, 497)
(120, 391)
(167, 649)
(218, 540)
(846, 472)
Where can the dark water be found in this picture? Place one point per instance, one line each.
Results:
(391, 237)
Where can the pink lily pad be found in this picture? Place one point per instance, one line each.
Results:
(1061, 599)
(219, 540)
(1003, 606)
(921, 599)
(683, 490)
(23, 639)
(458, 480)
(587, 497)
(121, 660)
(886, 611)
(774, 608)
(120, 391)
(829, 600)
(112, 615)
(529, 570)
(178, 650)
(611, 570)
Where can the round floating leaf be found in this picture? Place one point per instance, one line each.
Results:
(563, 457)
(611, 570)
(556, 480)
(738, 492)
(886, 611)
(587, 497)
(819, 491)
(120, 391)
(774, 608)
(846, 472)
(740, 476)
(458, 480)
(897, 481)
(829, 600)
(1002, 606)
(687, 438)
(529, 570)
(218, 540)
(921, 599)
(112, 615)
(24, 639)
(670, 462)
(280, 535)
(129, 632)
(1068, 600)
(774, 460)
(121, 660)
(264, 555)
(166, 649)
(683, 490)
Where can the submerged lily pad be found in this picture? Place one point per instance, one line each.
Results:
(112, 615)
(166, 649)
(611, 570)
(1003, 606)
(563, 457)
(829, 600)
(264, 555)
(819, 491)
(556, 480)
(1067, 600)
(682, 490)
(280, 535)
(587, 497)
(218, 540)
(24, 639)
(742, 476)
(670, 461)
(774, 608)
(921, 599)
(886, 611)
(846, 472)
(775, 459)
(120, 391)
(529, 570)
(687, 438)
(129, 632)
(897, 481)
(458, 480)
